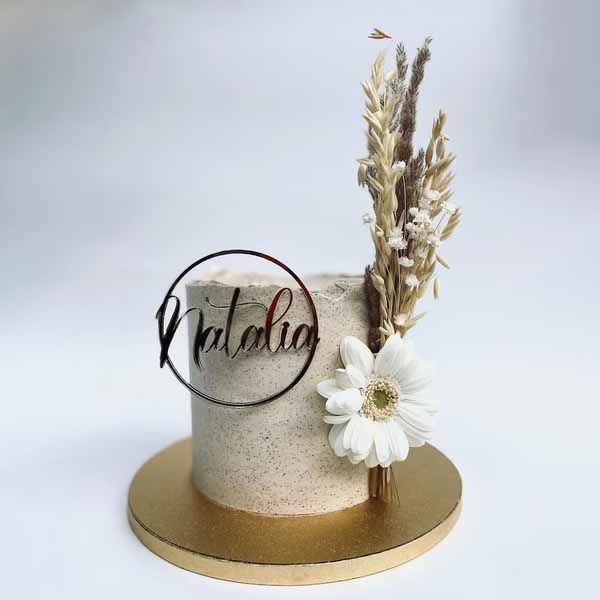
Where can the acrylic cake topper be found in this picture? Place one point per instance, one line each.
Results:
(275, 334)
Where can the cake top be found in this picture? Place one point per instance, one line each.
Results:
(314, 282)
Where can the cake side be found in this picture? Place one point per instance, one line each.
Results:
(273, 458)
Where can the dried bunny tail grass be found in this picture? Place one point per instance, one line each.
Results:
(436, 288)
(408, 114)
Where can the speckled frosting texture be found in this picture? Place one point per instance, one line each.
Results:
(274, 458)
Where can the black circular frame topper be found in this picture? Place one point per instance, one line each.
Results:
(166, 334)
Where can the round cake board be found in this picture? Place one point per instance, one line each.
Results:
(176, 522)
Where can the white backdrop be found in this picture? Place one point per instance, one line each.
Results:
(136, 137)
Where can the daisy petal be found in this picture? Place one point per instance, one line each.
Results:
(423, 398)
(345, 402)
(414, 441)
(389, 356)
(371, 460)
(415, 376)
(349, 377)
(336, 419)
(362, 439)
(336, 436)
(349, 432)
(382, 446)
(355, 353)
(415, 421)
(354, 458)
(393, 357)
(328, 388)
(397, 440)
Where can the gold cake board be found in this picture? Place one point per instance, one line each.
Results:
(173, 520)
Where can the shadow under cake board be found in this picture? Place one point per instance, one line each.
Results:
(179, 524)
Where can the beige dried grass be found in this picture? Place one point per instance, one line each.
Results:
(410, 196)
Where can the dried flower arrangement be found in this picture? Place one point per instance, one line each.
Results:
(378, 405)
(411, 201)
(411, 197)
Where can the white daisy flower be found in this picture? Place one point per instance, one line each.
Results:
(378, 405)
(396, 239)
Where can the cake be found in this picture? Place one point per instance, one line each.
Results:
(273, 458)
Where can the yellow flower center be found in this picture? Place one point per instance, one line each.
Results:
(380, 398)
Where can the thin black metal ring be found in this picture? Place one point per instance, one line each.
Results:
(311, 304)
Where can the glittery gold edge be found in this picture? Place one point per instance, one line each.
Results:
(295, 574)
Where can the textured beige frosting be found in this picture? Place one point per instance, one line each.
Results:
(273, 458)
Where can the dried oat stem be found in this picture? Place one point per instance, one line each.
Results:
(378, 34)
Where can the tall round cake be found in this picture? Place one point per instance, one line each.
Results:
(272, 458)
